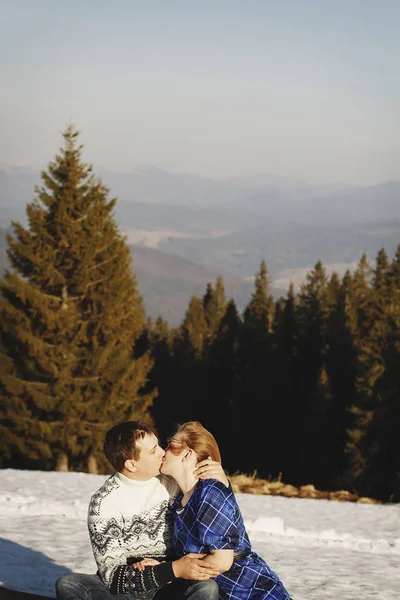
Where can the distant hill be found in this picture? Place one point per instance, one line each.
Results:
(150, 195)
(288, 246)
(205, 220)
(229, 226)
(166, 282)
(295, 188)
(181, 189)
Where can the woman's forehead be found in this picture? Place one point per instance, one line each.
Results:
(176, 439)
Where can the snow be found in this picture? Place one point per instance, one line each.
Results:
(320, 549)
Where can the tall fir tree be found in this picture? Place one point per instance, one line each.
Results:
(368, 335)
(379, 475)
(259, 313)
(214, 304)
(313, 390)
(257, 406)
(378, 448)
(393, 274)
(193, 330)
(381, 273)
(284, 385)
(221, 406)
(188, 363)
(163, 378)
(70, 317)
(341, 369)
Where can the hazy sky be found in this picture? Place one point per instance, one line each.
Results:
(309, 88)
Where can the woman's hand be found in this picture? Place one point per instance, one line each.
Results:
(192, 566)
(146, 562)
(210, 469)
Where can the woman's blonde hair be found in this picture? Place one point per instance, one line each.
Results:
(198, 438)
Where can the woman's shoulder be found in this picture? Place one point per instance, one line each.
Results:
(213, 497)
(212, 488)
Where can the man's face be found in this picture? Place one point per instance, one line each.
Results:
(174, 452)
(151, 455)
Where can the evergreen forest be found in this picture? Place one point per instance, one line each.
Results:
(305, 388)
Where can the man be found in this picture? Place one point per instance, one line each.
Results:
(129, 519)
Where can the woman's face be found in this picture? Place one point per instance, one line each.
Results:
(174, 453)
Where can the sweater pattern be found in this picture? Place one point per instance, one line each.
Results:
(128, 522)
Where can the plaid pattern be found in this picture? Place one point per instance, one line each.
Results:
(211, 520)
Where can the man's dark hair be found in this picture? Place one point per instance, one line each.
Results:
(120, 442)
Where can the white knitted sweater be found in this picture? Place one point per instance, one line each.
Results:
(129, 520)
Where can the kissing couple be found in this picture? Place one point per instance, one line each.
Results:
(167, 525)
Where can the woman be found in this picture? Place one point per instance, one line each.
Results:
(207, 520)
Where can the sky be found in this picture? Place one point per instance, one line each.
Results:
(221, 88)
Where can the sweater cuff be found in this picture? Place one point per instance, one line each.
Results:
(164, 573)
(129, 581)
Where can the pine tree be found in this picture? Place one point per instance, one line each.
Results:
(221, 406)
(214, 304)
(341, 369)
(394, 271)
(333, 289)
(188, 363)
(313, 385)
(379, 475)
(283, 386)
(381, 272)
(164, 378)
(70, 317)
(260, 310)
(255, 351)
(378, 448)
(193, 331)
(369, 333)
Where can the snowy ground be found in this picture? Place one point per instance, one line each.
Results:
(320, 549)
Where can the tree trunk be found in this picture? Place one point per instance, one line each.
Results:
(92, 465)
(62, 462)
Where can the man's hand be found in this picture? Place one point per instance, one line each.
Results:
(210, 469)
(146, 562)
(191, 566)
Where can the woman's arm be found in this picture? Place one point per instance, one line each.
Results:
(216, 515)
(222, 560)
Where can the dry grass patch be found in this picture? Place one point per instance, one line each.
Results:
(251, 484)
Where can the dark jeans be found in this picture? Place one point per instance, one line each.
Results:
(90, 587)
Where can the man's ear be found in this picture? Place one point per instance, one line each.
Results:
(130, 466)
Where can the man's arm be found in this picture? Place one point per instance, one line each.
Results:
(120, 578)
(127, 580)
(191, 566)
(135, 581)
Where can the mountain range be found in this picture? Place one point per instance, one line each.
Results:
(167, 282)
(227, 226)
